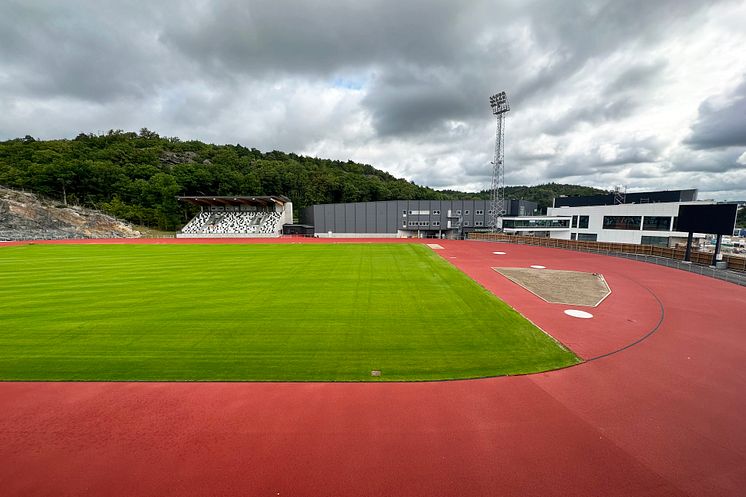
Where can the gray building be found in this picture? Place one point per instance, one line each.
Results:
(406, 218)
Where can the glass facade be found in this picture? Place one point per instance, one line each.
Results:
(656, 223)
(661, 241)
(622, 222)
(587, 237)
(583, 221)
(536, 223)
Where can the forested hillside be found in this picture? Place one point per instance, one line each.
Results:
(137, 176)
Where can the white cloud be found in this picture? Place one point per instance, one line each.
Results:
(742, 159)
(639, 93)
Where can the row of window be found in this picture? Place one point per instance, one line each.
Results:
(580, 221)
(420, 213)
(476, 212)
(437, 213)
(648, 223)
(584, 237)
(415, 224)
(661, 241)
(436, 224)
(536, 223)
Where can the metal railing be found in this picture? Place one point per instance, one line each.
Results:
(663, 256)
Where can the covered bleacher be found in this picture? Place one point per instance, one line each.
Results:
(237, 217)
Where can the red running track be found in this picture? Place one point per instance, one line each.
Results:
(661, 418)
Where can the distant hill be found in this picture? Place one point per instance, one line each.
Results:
(136, 176)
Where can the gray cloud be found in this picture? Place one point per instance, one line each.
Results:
(721, 125)
(621, 98)
(716, 161)
(91, 52)
(264, 37)
(403, 86)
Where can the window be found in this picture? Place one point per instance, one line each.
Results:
(466, 213)
(478, 223)
(675, 223)
(458, 212)
(424, 223)
(622, 222)
(403, 224)
(420, 213)
(587, 237)
(479, 213)
(490, 212)
(661, 241)
(656, 223)
(575, 221)
(436, 223)
(436, 213)
(583, 222)
(573, 236)
(547, 222)
(467, 224)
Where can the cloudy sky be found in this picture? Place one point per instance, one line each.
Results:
(643, 93)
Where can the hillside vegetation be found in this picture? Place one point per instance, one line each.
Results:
(137, 176)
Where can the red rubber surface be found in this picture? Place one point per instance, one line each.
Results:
(664, 417)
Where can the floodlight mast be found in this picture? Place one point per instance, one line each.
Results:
(500, 107)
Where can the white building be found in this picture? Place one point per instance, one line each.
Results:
(647, 224)
(647, 218)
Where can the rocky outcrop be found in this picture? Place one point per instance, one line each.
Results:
(25, 216)
(173, 158)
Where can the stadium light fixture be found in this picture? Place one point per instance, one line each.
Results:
(500, 107)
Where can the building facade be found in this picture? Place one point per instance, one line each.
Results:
(648, 218)
(406, 218)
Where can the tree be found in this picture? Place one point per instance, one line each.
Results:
(137, 176)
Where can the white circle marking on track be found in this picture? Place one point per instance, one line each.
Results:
(578, 314)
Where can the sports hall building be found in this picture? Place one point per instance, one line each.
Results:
(406, 218)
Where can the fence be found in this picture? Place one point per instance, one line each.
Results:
(664, 256)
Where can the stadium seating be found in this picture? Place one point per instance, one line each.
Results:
(233, 223)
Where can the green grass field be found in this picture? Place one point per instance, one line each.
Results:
(255, 312)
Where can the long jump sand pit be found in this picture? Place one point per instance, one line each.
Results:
(560, 287)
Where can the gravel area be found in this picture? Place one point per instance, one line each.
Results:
(560, 287)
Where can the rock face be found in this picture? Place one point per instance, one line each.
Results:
(25, 216)
(173, 158)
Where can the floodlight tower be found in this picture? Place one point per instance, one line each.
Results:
(500, 107)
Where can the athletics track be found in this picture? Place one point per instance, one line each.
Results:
(663, 417)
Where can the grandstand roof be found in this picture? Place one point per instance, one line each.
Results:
(231, 200)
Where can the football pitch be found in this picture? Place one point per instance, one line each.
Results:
(261, 312)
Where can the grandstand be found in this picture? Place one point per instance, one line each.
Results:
(234, 217)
